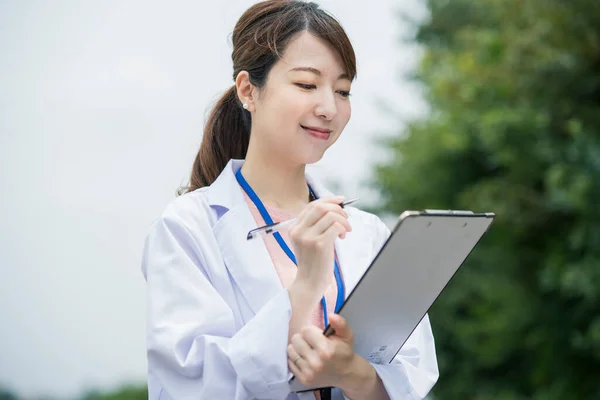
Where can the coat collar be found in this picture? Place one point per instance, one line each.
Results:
(249, 262)
(225, 191)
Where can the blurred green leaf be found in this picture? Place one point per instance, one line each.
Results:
(514, 128)
(128, 392)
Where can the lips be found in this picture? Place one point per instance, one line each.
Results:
(318, 133)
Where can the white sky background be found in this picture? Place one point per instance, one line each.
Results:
(102, 105)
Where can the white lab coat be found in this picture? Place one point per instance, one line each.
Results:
(217, 317)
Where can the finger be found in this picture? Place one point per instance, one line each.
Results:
(332, 199)
(315, 210)
(292, 353)
(340, 326)
(302, 372)
(295, 358)
(308, 354)
(335, 230)
(301, 346)
(294, 369)
(327, 220)
(319, 343)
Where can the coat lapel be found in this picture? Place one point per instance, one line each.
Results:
(249, 262)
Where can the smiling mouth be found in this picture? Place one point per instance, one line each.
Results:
(317, 133)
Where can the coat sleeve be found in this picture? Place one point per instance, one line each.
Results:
(414, 370)
(193, 348)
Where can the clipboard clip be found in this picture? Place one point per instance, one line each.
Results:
(449, 212)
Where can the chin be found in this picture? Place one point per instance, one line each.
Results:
(313, 154)
(314, 159)
(305, 153)
(308, 158)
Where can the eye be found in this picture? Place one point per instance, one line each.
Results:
(306, 86)
(345, 94)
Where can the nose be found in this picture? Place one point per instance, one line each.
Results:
(326, 107)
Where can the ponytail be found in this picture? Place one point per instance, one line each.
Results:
(226, 136)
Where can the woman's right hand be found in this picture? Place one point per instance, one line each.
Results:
(313, 236)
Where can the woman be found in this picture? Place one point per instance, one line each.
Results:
(230, 318)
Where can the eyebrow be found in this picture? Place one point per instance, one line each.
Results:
(317, 72)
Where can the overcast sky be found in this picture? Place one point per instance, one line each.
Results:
(102, 105)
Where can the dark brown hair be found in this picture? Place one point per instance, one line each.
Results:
(259, 39)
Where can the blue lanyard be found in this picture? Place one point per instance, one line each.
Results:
(265, 214)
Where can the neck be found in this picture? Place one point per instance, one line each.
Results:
(276, 182)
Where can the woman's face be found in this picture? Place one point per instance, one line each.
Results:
(304, 105)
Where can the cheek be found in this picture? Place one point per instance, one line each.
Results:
(280, 120)
(287, 107)
(344, 111)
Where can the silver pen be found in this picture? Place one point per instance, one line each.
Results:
(277, 226)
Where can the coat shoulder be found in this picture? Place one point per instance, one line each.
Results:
(369, 219)
(190, 209)
(372, 226)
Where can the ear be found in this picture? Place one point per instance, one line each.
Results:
(246, 91)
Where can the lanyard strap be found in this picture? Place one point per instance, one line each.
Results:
(268, 220)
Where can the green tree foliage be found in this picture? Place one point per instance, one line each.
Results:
(514, 128)
(129, 392)
(5, 394)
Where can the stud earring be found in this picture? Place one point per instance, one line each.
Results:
(245, 105)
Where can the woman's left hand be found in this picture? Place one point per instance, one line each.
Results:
(315, 359)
